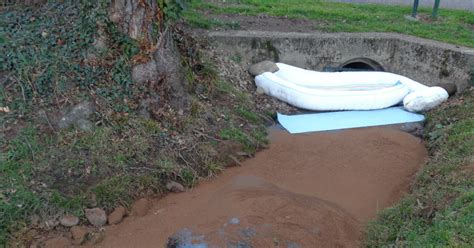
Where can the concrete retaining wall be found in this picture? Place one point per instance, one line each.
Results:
(426, 61)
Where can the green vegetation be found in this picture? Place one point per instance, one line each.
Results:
(248, 115)
(452, 26)
(440, 210)
(63, 172)
(198, 20)
(45, 52)
(50, 64)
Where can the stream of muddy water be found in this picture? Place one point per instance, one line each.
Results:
(306, 190)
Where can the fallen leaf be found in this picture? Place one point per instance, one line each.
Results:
(5, 109)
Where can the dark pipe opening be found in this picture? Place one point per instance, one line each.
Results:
(362, 64)
(359, 66)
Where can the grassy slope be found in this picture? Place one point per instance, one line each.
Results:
(45, 171)
(452, 26)
(439, 212)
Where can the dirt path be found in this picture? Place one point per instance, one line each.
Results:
(311, 190)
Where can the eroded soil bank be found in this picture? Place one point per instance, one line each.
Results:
(310, 190)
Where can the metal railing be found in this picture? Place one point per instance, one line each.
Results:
(416, 3)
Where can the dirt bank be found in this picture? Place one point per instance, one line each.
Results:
(311, 190)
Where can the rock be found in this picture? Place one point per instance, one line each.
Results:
(58, 242)
(69, 220)
(260, 91)
(143, 73)
(96, 216)
(185, 238)
(450, 88)
(175, 187)
(94, 238)
(264, 66)
(100, 43)
(82, 110)
(141, 207)
(117, 215)
(85, 125)
(79, 234)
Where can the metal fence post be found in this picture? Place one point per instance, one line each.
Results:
(435, 9)
(415, 8)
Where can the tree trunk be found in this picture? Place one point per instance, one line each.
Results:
(136, 19)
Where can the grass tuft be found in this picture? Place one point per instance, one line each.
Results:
(439, 212)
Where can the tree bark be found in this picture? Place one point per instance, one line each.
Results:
(136, 19)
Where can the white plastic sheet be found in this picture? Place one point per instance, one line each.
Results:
(316, 122)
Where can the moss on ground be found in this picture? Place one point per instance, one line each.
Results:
(439, 212)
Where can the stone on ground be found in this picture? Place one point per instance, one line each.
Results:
(85, 125)
(80, 111)
(143, 73)
(264, 66)
(96, 216)
(175, 187)
(117, 215)
(69, 220)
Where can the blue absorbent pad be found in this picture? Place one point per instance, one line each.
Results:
(327, 121)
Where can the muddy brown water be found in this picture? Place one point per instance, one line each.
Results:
(307, 190)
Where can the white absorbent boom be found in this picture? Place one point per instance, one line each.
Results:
(321, 91)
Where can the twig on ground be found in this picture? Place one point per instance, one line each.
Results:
(47, 120)
(235, 160)
(207, 136)
(31, 149)
(142, 168)
(184, 160)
